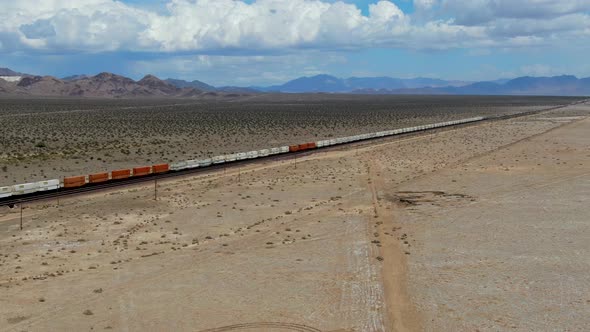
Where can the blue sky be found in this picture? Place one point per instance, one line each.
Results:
(265, 42)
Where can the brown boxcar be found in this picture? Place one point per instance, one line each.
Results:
(161, 168)
(120, 174)
(74, 181)
(293, 148)
(311, 145)
(302, 146)
(140, 171)
(98, 177)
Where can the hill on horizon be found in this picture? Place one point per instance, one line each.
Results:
(109, 85)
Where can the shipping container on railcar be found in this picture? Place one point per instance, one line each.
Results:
(160, 168)
(48, 185)
(98, 177)
(142, 171)
(5, 192)
(178, 166)
(252, 154)
(205, 162)
(25, 188)
(74, 181)
(193, 163)
(303, 147)
(218, 159)
(120, 174)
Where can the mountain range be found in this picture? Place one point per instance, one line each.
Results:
(103, 85)
(331, 84)
(565, 85)
(115, 86)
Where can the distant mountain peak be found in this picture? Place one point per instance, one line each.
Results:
(74, 77)
(10, 72)
(150, 77)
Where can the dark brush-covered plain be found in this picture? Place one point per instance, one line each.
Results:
(51, 138)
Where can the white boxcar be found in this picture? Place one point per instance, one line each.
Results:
(252, 154)
(25, 188)
(5, 192)
(242, 155)
(263, 152)
(333, 141)
(205, 162)
(284, 149)
(231, 157)
(48, 185)
(275, 150)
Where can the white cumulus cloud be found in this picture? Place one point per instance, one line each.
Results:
(280, 26)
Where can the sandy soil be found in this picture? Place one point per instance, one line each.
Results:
(476, 228)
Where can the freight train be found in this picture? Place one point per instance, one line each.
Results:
(73, 182)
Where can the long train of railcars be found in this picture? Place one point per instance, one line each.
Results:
(10, 193)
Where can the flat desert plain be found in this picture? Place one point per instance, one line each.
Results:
(55, 138)
(480, 228)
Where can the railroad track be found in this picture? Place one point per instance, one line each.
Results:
(64, 192)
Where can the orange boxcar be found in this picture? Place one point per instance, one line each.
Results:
(98, 177)
(311, 145)
(120, 174)
(161, 168)
(303, 146)
(140, 171)
(293, 148)
(74, 181)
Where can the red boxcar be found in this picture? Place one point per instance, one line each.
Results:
(74, 181)
(98, 177)
(120, 174)
(311, 145)
(293, 148)
(141, 171)
(161, 168)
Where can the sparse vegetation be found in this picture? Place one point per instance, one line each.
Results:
(103, 134)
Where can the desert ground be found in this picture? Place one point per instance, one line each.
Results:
(53, 138)
(480, 228)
